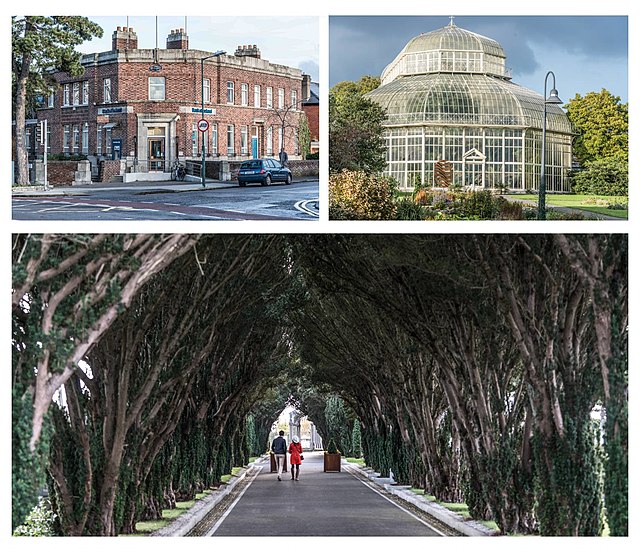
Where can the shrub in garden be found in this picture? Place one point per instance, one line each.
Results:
(480, 205)
(607, 176)
(39, 522)
(511, 210)
(356, 195)
(408, 210)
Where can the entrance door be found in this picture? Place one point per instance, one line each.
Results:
(473, 168)
(156, 154)
(254, 142)
(473, 174)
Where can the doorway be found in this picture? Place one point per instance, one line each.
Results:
(156, 154)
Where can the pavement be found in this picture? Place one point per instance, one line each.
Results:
(137, 186)
(355, 502)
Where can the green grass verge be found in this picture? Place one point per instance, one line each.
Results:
(149, 526)
(359, 461)
(203, 494)
(490, 524)
(589, 203)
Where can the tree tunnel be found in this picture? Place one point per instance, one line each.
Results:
(467, 365)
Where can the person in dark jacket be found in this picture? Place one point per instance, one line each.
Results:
(284, 157)
(279, 448)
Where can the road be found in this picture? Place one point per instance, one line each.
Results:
(298, 201)
(319, 504)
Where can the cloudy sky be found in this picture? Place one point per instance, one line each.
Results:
(285, 40)
(586, 53)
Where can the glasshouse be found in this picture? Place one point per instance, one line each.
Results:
(454, 117)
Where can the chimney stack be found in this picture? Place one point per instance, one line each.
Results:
(124, 38)
(248, 51)
(178, 40)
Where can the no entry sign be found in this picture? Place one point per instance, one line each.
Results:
(203, 125)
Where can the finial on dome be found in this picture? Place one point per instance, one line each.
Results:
(451, 23)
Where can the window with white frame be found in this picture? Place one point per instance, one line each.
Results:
(76, 93)
(244, 95)
(280, 140)
(85, 92)
(157, 88)
(214, 139)
(51, 100)
(85, 138)
(206, 90)
(269, 97)
(194, 140)
(281, 98)
(296, 142)
(230, 138)
(107, 141)
(106, 90)
(65, 95)
(244, 140)
(48, 138)
(99, 139)
(65, 139)
(27, 137)
(269, 144)
(230, 92)
(76, 139)
(256, 95)
(294, 99)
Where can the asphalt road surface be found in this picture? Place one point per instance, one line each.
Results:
(319, 504)
(277, 202)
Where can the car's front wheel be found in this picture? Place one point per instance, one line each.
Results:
(242, 183)
(267, 181)
(288, 180)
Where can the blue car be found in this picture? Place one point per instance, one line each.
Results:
(263, 171)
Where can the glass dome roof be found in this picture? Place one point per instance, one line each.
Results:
(454, 38)
(449, 49)
(465, 99)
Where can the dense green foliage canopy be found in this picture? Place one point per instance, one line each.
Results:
(467, 365)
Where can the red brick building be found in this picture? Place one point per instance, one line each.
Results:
(143, 105)
(311, 107)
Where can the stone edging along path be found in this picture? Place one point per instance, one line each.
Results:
(449, 518)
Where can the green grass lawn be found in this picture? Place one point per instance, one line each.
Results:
(590, 203)
(359, 461)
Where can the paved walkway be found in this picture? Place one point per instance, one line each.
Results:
(319, 504)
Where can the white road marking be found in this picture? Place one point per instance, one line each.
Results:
(303, 206)
(367, 484)
(226, 513)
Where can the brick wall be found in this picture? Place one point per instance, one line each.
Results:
(299, 168)
(61, 172)
(109, 169)
(181, 69)
(313, 118)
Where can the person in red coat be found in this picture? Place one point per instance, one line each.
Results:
(295, 449)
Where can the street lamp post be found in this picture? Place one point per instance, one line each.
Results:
(204, 139)
(553, 99)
